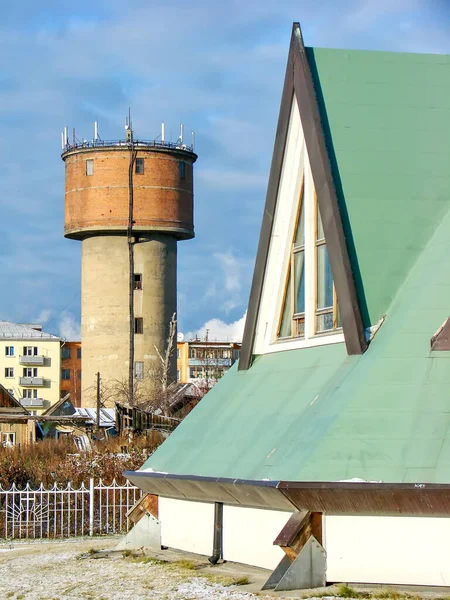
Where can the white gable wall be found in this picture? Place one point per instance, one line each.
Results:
(295, 167)
(385, 550)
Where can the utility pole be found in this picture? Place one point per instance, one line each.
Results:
(98, 401)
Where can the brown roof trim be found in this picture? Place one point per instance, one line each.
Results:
(298, 81)
(330, 497)
(245, 357)
(441, 339)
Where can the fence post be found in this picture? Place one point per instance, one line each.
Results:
(91, 506)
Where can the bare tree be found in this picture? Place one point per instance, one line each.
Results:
(156, 389)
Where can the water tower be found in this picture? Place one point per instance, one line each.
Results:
(129, 202)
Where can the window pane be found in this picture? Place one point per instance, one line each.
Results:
(320, 233)
(286, 320)
(300, 233)
(324, 279)
(89, 166)
(139, 166)
(299, 275)
(139, 370)
(324, 322)
(182, 170)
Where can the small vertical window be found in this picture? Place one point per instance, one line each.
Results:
(139, 325)
(9, 351)
(139, 369)
(137, 281)
(65, 374)
(78, 352)
(139, 166)
(178, 353)
(9, 372)
(182, 170)
(89, 166)
(65, 352)
(178, 374)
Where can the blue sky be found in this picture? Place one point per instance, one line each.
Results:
(218, 67)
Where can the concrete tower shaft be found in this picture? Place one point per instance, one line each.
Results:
(129, 204)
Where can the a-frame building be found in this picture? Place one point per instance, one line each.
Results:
(339, 411)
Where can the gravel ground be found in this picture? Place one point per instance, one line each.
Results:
(69, 570)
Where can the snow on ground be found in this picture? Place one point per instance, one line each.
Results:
(55, 571)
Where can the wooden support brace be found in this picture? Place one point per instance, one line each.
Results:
(304, 563)
(297, 531)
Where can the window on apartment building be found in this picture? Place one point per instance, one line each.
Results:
(9, 372)
(65, 374)
(192, 373)
(178, 353)
(192, 353)
(182, 170)
(78, 352)
(139, 369)
(30, 393)
(30, 372)
(138, 325)
(65, 352)
(30, 350)
(310, 304)
(139, 166)
(90, 166)
(79, 374)
(8, 438)
(9, 351)
(138, 281)
(178, 374)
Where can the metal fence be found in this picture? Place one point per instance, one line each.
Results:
(60, 512)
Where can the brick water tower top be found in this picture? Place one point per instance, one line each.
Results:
(129, 202)
(111, 185)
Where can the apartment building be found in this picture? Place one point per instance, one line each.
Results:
(71, 371)
(205, 361)
(30, 365)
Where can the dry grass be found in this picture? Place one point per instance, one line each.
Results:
(345, 591)
(50, 461)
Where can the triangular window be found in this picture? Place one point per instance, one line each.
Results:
(310, 305)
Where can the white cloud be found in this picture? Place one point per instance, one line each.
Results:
(69, 327)
(218, 330)
(43, 317)
(369, 11)
(226, 285)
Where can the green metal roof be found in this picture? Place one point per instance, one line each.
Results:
(316, 414)
(386, 118)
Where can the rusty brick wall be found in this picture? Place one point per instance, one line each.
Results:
(163, 201)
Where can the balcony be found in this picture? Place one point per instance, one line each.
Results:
(32, 360)
(210, 362)
(34, 381)
(32, 402)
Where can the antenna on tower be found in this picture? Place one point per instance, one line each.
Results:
(65, 138)
(129, 127)
(181, 133)
(162, 132)
(96, 130)
(193, 139)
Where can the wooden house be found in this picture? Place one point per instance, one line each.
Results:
(15, 426)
